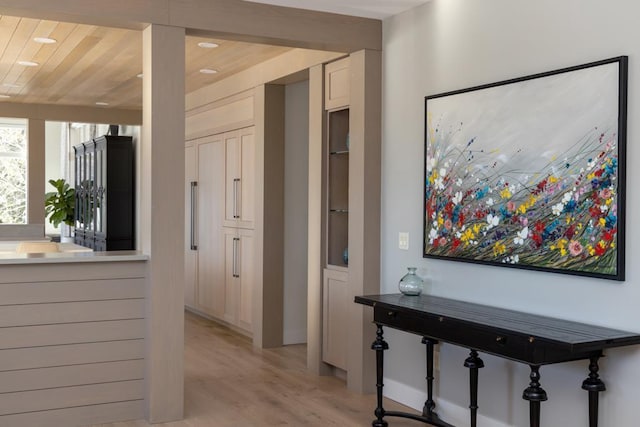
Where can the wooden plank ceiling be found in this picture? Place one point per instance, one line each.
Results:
(90, 64)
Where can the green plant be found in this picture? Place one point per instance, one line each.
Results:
(60, 204)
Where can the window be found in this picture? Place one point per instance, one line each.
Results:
(13, 171)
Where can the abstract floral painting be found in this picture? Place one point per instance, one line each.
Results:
(529, 172)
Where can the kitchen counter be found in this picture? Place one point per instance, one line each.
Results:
(12, 258)
(74, 330)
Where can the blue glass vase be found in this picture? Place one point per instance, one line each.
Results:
(411, 283)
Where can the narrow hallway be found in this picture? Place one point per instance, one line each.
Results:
(228, 383)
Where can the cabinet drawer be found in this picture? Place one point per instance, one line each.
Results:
(509, 345)
(337, 84)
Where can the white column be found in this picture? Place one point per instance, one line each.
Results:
(162, 217)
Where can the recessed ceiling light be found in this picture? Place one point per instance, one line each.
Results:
(208, 45)
(208, 71)
(28, 63)
(13, 85)
(139, 75)
(5, 96)
(102, 104)
(44, 40)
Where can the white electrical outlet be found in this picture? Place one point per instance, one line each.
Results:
(403, 241)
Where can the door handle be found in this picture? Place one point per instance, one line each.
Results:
(235, 272)
(194, 193)
(236, 190)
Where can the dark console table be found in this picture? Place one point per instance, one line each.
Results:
(522, 337)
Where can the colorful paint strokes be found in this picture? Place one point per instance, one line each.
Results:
(515, 176)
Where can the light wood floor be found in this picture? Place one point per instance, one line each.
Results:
(228, 383)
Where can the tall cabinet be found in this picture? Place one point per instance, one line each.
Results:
(336, 272)
(105, 203)
(220, 212)
(344, 213)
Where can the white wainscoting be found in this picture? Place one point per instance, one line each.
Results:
(72, 343)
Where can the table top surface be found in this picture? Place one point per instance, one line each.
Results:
(549, 328)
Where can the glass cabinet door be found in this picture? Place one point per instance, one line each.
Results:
(91, 206)
(100, 183)
(78, 188)
(338, 188)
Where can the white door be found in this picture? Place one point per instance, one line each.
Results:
(210, 212)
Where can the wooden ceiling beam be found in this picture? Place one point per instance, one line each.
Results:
(130, 14)
(233, 19)
(71, 113)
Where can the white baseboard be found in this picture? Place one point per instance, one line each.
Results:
(402, 393)
(449, 412)
(294, 336)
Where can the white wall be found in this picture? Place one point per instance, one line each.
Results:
(53, 162)
(296, 173)
(453, 44)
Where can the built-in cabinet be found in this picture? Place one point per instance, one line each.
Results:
(105, 204)
(204, 263)
(336, 159)
(239, 248)
(335, 303)
(337, 84)
(344, 212)
(338, 188)
(239, 178)
(220, 212)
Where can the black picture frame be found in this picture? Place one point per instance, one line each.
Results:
(530, 172)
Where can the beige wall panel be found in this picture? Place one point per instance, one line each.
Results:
(162, 234)
(65, 376)
(18, 232)
(269, 225)
(364, 213)
(83, 415)
(273, 212)
(93, 394)
(81, 290)
(35, 172)
(70, 312)
(60, 355)
(214, 119)
(259, 290)
(316, 249)
(337, 76)
(69, 113)
(74, 333)
(31, 273)
(265, 72)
